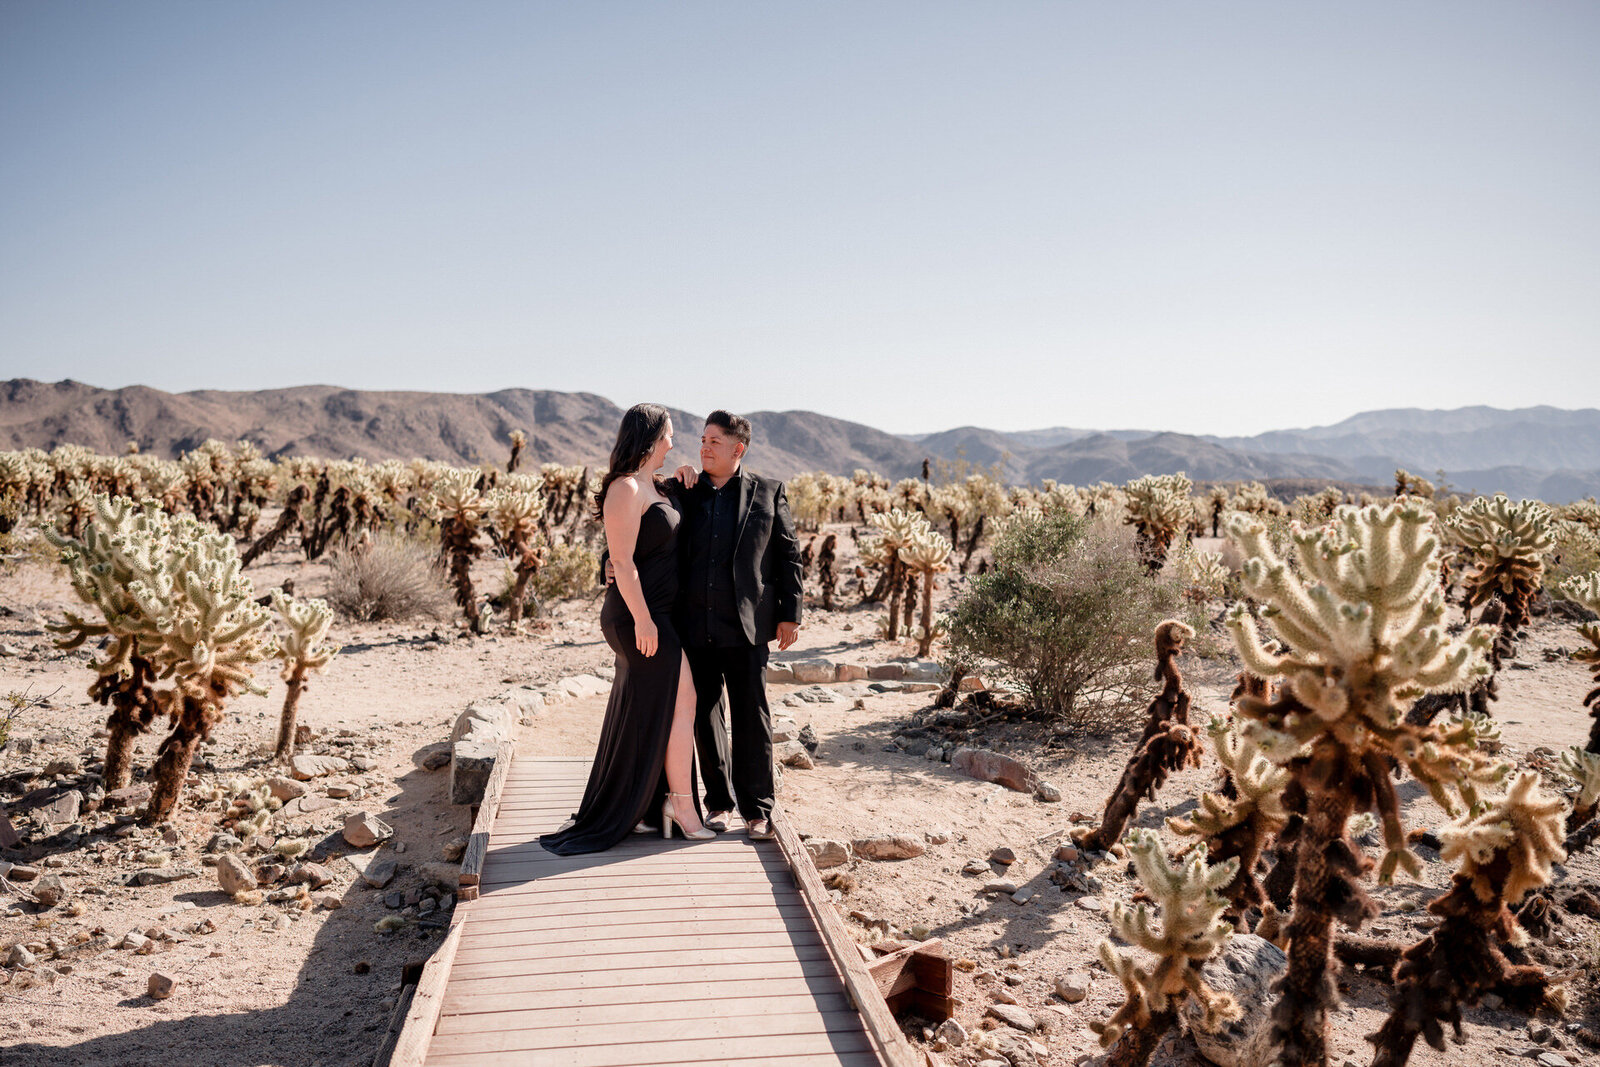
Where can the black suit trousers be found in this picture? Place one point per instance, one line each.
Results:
(737, 768)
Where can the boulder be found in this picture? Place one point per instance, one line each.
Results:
(128, 796)
(1072, 986)
(990, 766)
(849, 672)
(826, 853)
(779, 672)
(63, 810)
(924, 670)
(312, 875)
(1246, 968)
(1012, 1015)
(234, 875)
(793, 754)
(50, 890)
(888, 847)
(363, 830)
(886, 672)
(813, 671)
(307, 766)
(286, 789)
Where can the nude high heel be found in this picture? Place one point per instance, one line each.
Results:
(669, 820)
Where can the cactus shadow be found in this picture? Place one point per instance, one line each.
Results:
(335, 1014)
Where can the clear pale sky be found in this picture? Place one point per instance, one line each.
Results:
(1208, 217)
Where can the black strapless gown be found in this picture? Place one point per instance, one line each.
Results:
(627, 783)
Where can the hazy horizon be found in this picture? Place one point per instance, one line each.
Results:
(1220, 219)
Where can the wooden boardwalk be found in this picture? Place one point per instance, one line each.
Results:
(654, 952)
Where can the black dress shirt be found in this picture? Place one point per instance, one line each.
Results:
(713, 611)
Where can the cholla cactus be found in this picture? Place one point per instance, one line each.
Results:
(1504, 851)
(519, 441)
(1363, 616)
(1238, 823)
(1168, 743)
(176, 607)
(925, 556)
(1216, 504)
(1583, 767)
(1317, 508)
(1507, 543)
(459, 509)
(827, 576)
(1191, 931)
(302, 652)
(1202, 574)
(1585, 589)
(1158, 508)
(1408, 484)
(515, 512)
(1252, 498)
(896, 529)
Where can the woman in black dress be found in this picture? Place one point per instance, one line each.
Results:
(644, 759)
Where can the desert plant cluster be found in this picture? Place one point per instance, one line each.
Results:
(1369, 631)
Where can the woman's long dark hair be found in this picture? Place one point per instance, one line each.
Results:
(642, 426)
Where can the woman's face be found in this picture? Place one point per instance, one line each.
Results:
(664, 442)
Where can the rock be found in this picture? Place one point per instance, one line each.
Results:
(779, 672)
(1023, 895)
(885, 687)
(1072, 986)
(888, 847)
(160, 986)
(975, 866)
(924, 670)
(1067, 854)
(346, 791)
(793, 754)
(1552, 1059)
(286, 789)
(134, 941)
(19, 956)
(328, 901)
(436, 760)
(453, 849)
(1012, 1015)
(849, 672)
(1003, 886)
(50, 890)
(808, 738)
(306, 766)
(363, 830)
(269, 873)
(1539, 1033)
(61, 768)
(63, 810)
(812, 671)
(826, 853)
(1003, 855)
(233, 875)
(1003, 996)
(886, 672)
(1246, 968)
(951, 1032)
(19, 872)
(128, 796)
(223, 842)
(379, 872)
(990, 766)
(163, 875)
(937, 837)
(1047, 792)
(312, 875)
(1090, 904)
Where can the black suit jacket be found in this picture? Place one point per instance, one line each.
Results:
(766, 554)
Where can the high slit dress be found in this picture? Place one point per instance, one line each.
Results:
(628, 783)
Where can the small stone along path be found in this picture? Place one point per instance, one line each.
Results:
(653, 952)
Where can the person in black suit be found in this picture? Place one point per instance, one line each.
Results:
(740, 590)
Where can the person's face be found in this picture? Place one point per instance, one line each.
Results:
(719, 451)
(663, 444)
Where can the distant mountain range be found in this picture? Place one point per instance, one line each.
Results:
(1547, 452)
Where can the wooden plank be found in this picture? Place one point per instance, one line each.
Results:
(628, 1007)
(508, 900)
(896, 972)
(669, 913)
(891, 1043)
(581, 987)
(641, 932)
(478, 843)
(493, 879)
(494, 1036)
(637, 960)
(534, 946)
(412, 1048)
(714, 1050)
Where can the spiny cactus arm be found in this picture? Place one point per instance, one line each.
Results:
(1525, 824)
(1584, 767)
(1260, 657)
(1584, 589)
(307, 623)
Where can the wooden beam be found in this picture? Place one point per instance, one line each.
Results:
(921, 966)
(478, 844)
(423, 1016)
(890, 1043)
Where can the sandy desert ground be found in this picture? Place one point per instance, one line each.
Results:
(282, 983)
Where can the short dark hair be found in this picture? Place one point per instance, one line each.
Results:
(737, 425)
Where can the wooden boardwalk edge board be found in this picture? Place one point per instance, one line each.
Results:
(880, 1023)
(417, 1033)
(478, 844)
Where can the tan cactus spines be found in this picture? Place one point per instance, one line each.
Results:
(303, 652)
(1363, 616)
(515, 511)
(926, 555)
(1583, 767)
(459, 508)
(1408, 484)
(1585, 590)
(896, 529)
(1202, 574)
(1507, 542)
(1504, 851)
(1168, 743)
(1159, 509)
(1238, 822)
(519, 441)
(1191, 931)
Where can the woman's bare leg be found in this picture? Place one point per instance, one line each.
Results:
(680, 751)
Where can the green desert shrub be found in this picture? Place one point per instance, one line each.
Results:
(393, 577)
(1066, 614)
(570, 570)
